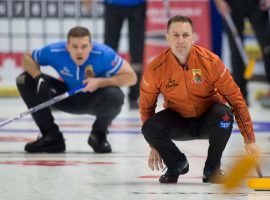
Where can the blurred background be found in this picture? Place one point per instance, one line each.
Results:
(29, 24)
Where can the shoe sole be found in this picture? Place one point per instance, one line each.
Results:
(184, 171)
(206, 180)
(52, 149)
(209, 180)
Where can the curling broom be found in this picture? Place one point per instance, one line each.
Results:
(239, 171)
(261, 183)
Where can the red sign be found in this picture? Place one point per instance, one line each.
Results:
(158, 13)
(17, 57)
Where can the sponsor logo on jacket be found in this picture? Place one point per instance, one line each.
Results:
(66, 72)
(172, 83)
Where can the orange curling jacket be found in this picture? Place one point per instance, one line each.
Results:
(190, 90)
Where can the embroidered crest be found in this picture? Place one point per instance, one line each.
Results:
(89, 72)
(197, 75)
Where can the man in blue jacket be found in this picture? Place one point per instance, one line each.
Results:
(79, 62)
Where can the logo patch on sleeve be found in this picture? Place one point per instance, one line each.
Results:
(115, 61)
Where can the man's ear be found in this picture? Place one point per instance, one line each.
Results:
(195, 38)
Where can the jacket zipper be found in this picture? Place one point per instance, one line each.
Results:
(189, 93)
(77, 72)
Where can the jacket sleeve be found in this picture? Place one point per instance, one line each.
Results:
(226, 86)
(148, 95)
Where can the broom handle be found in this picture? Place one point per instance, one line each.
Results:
(237, 38)
(259, 171)
(43, 105)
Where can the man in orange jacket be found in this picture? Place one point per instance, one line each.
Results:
(195, 85)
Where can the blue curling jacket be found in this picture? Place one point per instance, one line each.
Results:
(103, 61)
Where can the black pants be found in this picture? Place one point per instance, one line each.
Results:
(104, 103)
(261, 25)
(114, 19)
(167, 125)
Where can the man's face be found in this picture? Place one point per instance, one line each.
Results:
(79, 49)
(180, 38)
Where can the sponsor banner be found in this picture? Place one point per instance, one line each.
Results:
(10, 68)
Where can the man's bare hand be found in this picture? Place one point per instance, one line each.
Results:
(87, 4)
(265, 5)
(252, 150)
(223, 7)
(92, 84)
(155, 161)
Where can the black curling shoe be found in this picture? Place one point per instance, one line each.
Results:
(213, 176)
(99, 144)
(171, 175)
(46, 144)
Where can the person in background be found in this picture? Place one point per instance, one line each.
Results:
(257, 13)
(115, 13)
(216, 29)
(200, 102)
(79, 63)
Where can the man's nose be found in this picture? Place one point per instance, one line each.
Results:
(180, 38)
(79, 50)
